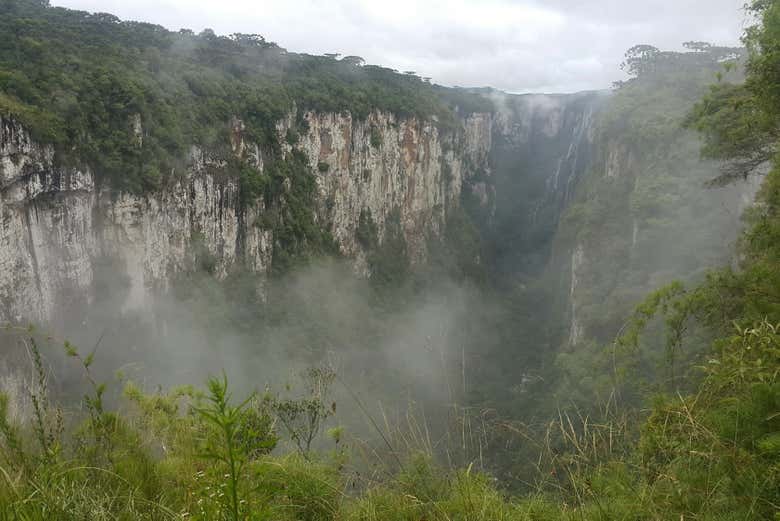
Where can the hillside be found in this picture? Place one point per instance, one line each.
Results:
(423, 303)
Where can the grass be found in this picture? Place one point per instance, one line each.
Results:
(190, 454)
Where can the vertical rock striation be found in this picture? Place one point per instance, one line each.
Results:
(384, 164)
(58, 226)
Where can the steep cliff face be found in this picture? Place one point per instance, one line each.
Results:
(600, 199)
(36, 202)
(640, 218)
(385, 164)
(58, 227)
(606, 213)
(542, 148)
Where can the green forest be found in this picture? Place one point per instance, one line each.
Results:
(76, 79)
(665, 406)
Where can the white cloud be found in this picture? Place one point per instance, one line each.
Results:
(515, 45)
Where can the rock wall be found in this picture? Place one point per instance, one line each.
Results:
(537, 159)
(385, 164)
(57, 226)
(640, 218)
(542, 147)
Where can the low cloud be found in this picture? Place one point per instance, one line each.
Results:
(514, 45)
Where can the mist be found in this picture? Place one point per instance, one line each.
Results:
(580, 204)
(405, 353)
(507, 45)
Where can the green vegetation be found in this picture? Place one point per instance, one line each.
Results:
(128, 99)
(388, 260)
(366, 232)
(191, 455)
(707, 450)
(642, 218)
(297, 236)
(376, 137)
(671, 412)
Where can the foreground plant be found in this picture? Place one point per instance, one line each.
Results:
(224, 443)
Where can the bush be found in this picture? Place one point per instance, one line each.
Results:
(294, 489)
(376, 137)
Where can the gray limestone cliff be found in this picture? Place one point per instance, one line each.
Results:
(542, 149)
(58, 227)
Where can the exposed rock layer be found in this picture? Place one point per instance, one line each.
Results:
(58, 227)
(525, 165)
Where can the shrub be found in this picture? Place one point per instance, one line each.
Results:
(376, 137)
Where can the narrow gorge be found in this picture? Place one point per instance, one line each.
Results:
(240, 282)
(523, 172)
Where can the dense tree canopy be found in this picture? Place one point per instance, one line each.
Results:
(78, 80)
(706, 447)
(740, 121)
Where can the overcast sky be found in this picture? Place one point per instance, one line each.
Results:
(514, 45)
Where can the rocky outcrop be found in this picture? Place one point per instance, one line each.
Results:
(57, 226)
(542, 148)
(384, 164)
(543, 145)
(577, 262)
(640, 219)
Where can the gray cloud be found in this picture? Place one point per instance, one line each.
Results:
(515, 45)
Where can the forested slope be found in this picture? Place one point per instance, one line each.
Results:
(77, 80)
(677, 410)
